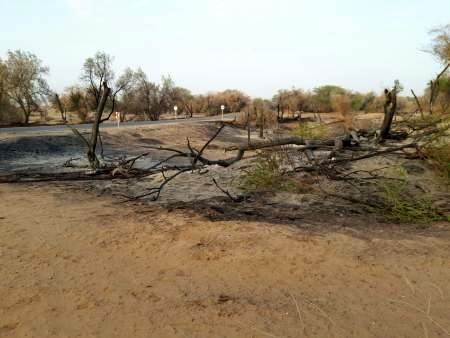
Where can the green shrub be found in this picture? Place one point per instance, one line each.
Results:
(400, 205)
(419, 122)
(267, 175)
(438, 155)
(311, 131)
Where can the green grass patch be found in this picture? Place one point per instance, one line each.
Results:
(437, 155)
(267, 175)
(403, 206)
(311, 131)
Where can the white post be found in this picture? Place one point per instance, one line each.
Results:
(175, 108)
(118, 119)
(222, 107)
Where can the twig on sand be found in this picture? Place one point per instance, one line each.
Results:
(441, 293)
(298, 311)
(322, 312)
(408, 282)
(425, 330)
(257, 330)
(425, 313)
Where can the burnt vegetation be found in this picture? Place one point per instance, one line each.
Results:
(412, 128)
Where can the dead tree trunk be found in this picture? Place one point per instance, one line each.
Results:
(261, 123)
(434, 88)
(62, 110)
(390, 107)
(419, 106)
(91, 143)
(248, 127)
(91, 154)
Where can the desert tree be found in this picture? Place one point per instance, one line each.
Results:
(440, 48)
(109, 95)
(76, 101)
(360, 101)
(291, 100)
(436, 86)
(8, 113)
(123, 84)
(140, 98)
(443, 98)
(323, 96)
(342, 104)
(24, 81)
(97, 70)
(2, 80)
(296, 100)
(281, 102)
(440, 45)
(3, 92)
(149, 98)
(260, 109)
(233, 100)
(183, 98)
(73, 99)
(201, 104)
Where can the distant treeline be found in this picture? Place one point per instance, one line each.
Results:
(24, 93)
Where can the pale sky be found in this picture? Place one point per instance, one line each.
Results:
(257, 46)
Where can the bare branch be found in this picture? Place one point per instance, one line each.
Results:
(227, 193)
(417, 102)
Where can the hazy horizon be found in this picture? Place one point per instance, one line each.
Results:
(254, 46)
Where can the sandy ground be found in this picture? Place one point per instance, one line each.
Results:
(74, 262)
(76, 265)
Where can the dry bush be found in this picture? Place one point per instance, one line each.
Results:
(292, 100)
(406, 104)
(443, 104)
(434, 147)
(440, 46)
(82, 114)
(241, 119)
(270, 119)
(322, 97)
(376, 105)
(234, 101)
(442, 101)
(9, 115)
(341, 103)
(77, 101)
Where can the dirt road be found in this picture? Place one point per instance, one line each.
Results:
(74, 265)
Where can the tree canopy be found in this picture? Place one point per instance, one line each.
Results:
(23, 81)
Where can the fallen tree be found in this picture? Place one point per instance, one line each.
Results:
(327, 157)
(337, 154)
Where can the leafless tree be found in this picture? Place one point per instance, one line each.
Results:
(108, 95)
(96, 71)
